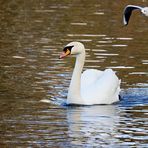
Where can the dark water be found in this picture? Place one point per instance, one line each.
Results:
(33, 34)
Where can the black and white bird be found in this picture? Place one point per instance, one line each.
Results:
(128, 11)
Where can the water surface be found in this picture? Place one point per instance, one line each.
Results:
(32, 37)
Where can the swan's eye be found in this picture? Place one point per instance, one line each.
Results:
(67, 49)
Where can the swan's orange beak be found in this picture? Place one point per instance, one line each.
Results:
(64, 54)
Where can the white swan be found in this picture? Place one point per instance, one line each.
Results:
(92, 86)
(128, 11)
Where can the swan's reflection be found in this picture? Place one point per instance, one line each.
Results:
(90, 124)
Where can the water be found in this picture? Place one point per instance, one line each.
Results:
(32, 37)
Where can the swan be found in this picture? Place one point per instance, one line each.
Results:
(128, 11)
(92, 86)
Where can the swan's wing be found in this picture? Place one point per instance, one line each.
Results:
(89, 76)
(109, 82)
(103, 89)
(127, 13)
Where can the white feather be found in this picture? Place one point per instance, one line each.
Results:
(100, 87)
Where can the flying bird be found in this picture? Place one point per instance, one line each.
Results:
(128, 12)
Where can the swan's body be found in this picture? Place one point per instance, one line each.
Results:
(92, 86)
(128, 11)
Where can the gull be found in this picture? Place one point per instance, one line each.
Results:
(128, 11)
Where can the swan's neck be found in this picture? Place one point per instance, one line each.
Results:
(74, 94)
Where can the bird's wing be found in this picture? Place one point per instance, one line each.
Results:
(100, 87)
(90, 76)
(127, 13)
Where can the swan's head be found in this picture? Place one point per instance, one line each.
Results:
(73, 48)
(145, 11)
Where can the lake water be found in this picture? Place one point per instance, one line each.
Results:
(33, 34)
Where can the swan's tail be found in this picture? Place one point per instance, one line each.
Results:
(117, 93)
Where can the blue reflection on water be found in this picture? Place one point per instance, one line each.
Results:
(130, 97)
(133, 97)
